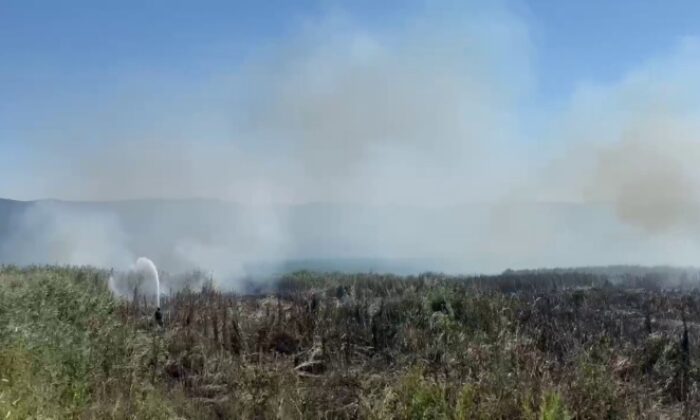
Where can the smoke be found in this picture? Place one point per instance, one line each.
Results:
(351, 141)
(650, 186)
(645, 144)
(338, 112)
(627, 151)
(59, 233)
(368, 116)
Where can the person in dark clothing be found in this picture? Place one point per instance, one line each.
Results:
(159, 317)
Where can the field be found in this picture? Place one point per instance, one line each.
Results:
(522, 345)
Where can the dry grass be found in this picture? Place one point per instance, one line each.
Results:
(537, 345)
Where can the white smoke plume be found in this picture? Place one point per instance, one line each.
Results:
(340, 114)
(60, 233)
(351, 141)
(643, 141)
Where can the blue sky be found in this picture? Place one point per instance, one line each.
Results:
(62, 45)
(601, 40)
(62, 62)
(425, 103)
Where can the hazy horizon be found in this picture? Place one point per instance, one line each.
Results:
(425, 105)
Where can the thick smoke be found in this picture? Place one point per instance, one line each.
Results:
(650, 185)
(646, 143)
(58, 233)
(340, 114)
(628, 151)
(346, 141)
(337, 113)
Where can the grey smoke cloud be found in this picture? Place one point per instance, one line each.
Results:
(338, 112)
(649, 185)
(404, 131)
(647, 146)
(56, 233)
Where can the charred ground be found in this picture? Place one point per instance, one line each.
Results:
(621, 343)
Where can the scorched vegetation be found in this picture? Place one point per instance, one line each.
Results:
(521, 345)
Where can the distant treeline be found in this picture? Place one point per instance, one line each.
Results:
(510, 281)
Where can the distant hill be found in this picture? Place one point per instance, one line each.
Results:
(241, 240)
(311, 236)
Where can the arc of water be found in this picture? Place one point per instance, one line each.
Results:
(146, 265)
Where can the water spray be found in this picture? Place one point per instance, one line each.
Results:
(110, 282)
(146, 266)
(143, 272)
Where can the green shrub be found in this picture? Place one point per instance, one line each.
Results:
(553, 408)
(415, 397)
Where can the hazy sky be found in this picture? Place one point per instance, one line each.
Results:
(397, 105)
(450, 101)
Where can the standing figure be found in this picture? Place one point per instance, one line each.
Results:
(159, 317)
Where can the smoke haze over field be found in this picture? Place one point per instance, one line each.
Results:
(425, 138)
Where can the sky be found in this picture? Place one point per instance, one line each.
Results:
(432, 125)
(84, 84)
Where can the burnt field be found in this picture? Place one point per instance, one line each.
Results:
(532, 345)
